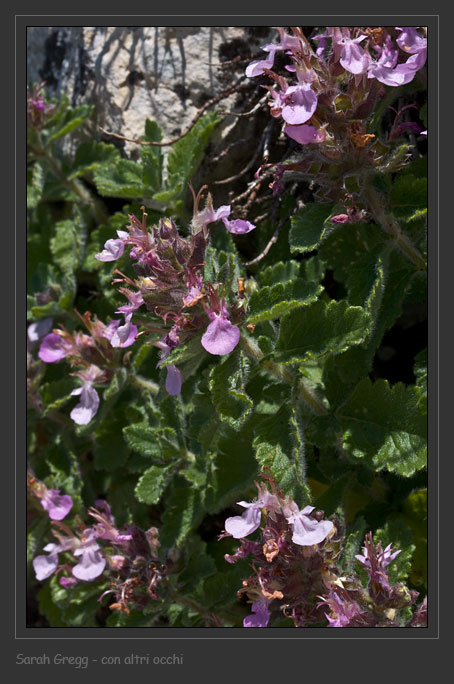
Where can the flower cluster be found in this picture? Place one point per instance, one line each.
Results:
(95, 354)
(128, 557)
(296, 569)
(37, 110)
(171, 287)
(337, 86)
(57, 505)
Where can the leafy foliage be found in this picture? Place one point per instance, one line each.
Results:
(324, 397)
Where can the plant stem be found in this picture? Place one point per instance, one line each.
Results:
(389, 224)
(143, 383)
(250, 347)
(74, 185)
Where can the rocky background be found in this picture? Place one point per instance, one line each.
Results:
(167, 74)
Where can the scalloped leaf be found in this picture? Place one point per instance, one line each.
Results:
(321, 329)
(226, 384)
(279, 446)
(91, 155)
(310, 227)
(183, 513)
(276, 300)
(383, 425)
(151, 485)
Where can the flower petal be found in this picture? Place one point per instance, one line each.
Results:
(45, 566)
(91, 564)
(308, 531)
(261, 617)
(238, 226)
(88, 405)
(241, 525)
(56, 504)
(173, 380)
(221, 337)
(51, 349)
(113, 249)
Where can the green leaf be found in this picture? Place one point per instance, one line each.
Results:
(184, 157)
(67, 118)
(223, 268)
(92, 155)
(48, 608)
(35, 185)
(160, 444)
(353, 544)
(383, 425)
(232, 468)
(152, 158)
(408, 193)
(68, 244)
(122, 179)
(321, 329)
(310, 227)
(226, 385)
(281, 272)
(221, 589)
(56, 394)
(151, 485)
(109, 449)
(183, 513)
(279, 447)
(199, 565)
(274, 301)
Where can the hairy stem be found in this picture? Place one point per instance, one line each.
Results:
(389, 224)
(304, 393)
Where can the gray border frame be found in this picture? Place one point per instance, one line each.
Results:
(32, 634)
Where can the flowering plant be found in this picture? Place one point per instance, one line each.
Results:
(227, 388)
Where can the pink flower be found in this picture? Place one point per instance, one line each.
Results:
(298, 103)
(52, 349)
(261, 617)
(305, 134)
(221, 337)
(306, 530)
(56, 504)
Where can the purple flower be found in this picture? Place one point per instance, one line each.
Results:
(45, 566)
(221, 337)
(353, 58)
(261, 617)
(67, 582)
(410, 40)
(298, 103)
(304, 134)
(52, 349)
(56, 504)
(306, 530)
(386, 71)
(238, 226)
(113, 249)
(92, 563)
(256, 67)
(240, 526)
(121, 336)
(173, 380)
(342, 610)
(88, 405)
(36, 331)
(382, 558)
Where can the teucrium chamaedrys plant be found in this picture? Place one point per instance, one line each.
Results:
(177, 358)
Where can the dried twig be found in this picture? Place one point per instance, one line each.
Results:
(210, 103)
(273, 239)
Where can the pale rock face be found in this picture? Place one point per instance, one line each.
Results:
(132, 73)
